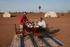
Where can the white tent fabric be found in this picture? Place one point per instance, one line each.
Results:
(6, 14)
(50, 14)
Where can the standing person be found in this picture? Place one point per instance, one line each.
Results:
(22, 22)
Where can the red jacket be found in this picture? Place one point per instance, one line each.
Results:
(23, 19)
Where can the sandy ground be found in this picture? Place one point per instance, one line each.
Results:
(7, 28)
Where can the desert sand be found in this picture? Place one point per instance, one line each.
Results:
(7, 28)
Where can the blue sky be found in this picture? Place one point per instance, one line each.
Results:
(32, 5)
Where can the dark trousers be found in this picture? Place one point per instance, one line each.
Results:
(43, 31)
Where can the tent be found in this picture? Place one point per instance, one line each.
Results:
(50, 14)
(6, 14)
